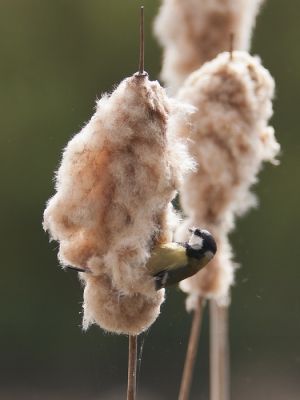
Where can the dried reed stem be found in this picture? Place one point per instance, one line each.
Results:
(132, 361)
(191, 352)
(231, 44)
(219, 352)
(142, 46)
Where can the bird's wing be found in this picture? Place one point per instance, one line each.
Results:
(167, 257)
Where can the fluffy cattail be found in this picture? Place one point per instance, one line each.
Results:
(231, 140)
(114, 187)
(195, 31)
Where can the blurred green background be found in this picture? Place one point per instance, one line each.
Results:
(57, 57)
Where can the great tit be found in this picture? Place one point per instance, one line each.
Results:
(170, 263)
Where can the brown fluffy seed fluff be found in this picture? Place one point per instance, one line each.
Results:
(114, 187)
(195, 31)
(231, 139)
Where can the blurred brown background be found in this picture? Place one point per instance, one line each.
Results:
(57, 57)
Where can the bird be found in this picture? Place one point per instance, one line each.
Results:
(173, 262)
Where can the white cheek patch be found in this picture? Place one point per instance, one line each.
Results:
(196, 242)
(209, 254)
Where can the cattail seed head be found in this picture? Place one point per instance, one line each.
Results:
(231, 139)
(192, 32)
(114, 188)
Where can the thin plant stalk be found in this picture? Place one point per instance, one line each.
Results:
(223, 316)
(219, 352)
(191, 352)
(132, 362)
(142, 44)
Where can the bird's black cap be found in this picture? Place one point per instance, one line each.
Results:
(209, 242)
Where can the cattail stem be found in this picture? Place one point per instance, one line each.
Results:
(142, 46)
(132, 362)
(191, 352)
(219, 352)
(231, 44)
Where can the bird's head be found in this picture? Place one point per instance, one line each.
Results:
(203, 242)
